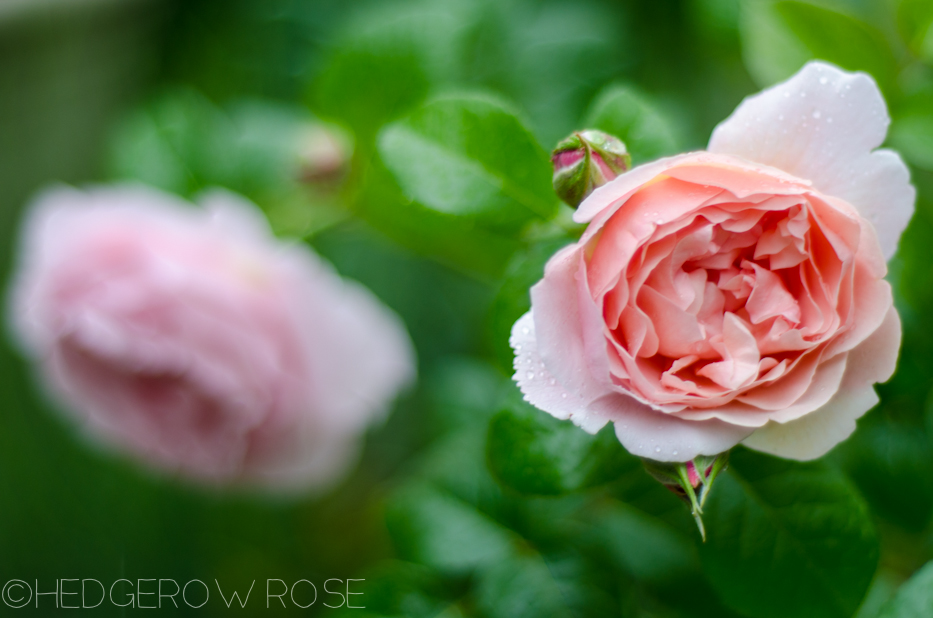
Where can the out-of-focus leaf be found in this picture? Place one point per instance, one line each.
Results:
(470, 157)
(890, 462)
(366, 83)
(398, 589)
(912, 136)
(172, 142)
(521, 587)
(465, 392)
(801, 524)
(183, 143)
(646, 548)
(434, 528)
(915, 23)
(623, 111)
(779, 37)
(450, 239)
(550, 58)
(915, 597)
(512, 301)
(534, 453)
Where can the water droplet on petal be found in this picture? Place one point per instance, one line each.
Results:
(817, 114)
(823, 80)
(526, 330)
(674, 453)
(530, 375)
(563, 395)
(657, 449)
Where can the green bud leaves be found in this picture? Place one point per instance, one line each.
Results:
(586, 160)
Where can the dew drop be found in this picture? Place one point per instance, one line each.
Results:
(657, 449)
(552, 382)
(530, 375)
(674, 453)
(817, 114)
(526, 330)
(803, 95)
(781, 117)
(823, 80)
(563, 395)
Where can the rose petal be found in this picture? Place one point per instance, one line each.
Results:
(822, 125)
(571, 338)
(645, 432)
(875, 359)
(540, 387)
(813, 435)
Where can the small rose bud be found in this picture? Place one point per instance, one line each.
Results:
(324, 155)
(691, 480)
(586, 160)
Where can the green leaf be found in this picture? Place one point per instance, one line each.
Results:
(534, 453)
(779, 37)
(446, 238)
(915, 23)
(623, 111)
(173, 143)
(367, 83)
(914, 599)
(912, 136)
(399, 589)
(788, 539)
(470, 157)
(551, 57)
(434, 528)
(521, 587)
(890, 463)
(644, 547)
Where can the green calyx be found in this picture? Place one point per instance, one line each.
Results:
(586, 160)
(690, 480)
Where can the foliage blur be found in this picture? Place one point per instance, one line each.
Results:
(466, 502)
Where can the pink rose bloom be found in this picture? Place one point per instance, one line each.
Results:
(193, 339)
(734, 295)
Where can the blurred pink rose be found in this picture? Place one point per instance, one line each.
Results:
(194, 339)
(735, 295)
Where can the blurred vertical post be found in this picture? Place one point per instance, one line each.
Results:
(67, 68)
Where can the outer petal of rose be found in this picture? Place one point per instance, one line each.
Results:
(540, 387)
(645, 432)
(822, 125)
(307, 460)
(361, 333)
(875, 359)
(813, 435)
(570, 328)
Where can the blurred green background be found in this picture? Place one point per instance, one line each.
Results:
(466, 503)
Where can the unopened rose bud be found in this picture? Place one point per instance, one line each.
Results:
(691, 480)
(324, 155)
(586, 160)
